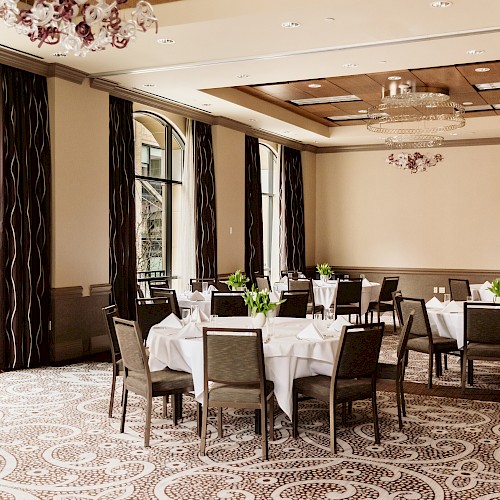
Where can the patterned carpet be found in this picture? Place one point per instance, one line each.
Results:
(58, 443)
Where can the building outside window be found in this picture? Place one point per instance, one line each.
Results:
(159, 153)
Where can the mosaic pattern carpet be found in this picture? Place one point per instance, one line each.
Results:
(57, 442)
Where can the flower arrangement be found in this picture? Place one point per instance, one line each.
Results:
(237, 280)
(495, 287)
(324, 269)
(416, 162)
(259, 301)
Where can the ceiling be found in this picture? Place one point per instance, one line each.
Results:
(234, 59)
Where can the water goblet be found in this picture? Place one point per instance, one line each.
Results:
(185, 316)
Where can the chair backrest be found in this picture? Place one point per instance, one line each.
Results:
(228, 304)
(293, 272)
(482, 323)
(263, 282)
(222, 286)
(295, 305)
(197, 283)
(233, 356)
(358, 351)
(131, 346)
(109, 313)
(150, 312)
(349, 292)
(459, 289)
(301, 284)
(159, 291)
(421, 326)
(389, 286)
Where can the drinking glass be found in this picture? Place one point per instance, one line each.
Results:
(189, 289)
(186, 316)
(329, 316)
(318, 319)
(446, 297)
(204, 287)
(213, 319)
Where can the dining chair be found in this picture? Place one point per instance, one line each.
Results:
(421, 338)
(197, 283)
(109, 313)
(234, 377)
(354, 376)
(385, 301)
(159, 291)
(150, 312)
(305, 284)
(481, 336)
(347, 300)
(396, 372)
(158, 282)
(228, 304)
(138, 378)
(263, 282)
(294, 305)
(459, 289)
(294, 273)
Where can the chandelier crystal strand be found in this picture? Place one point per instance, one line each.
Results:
(416, 162)
(80, 26)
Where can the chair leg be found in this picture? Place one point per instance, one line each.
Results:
(175, 406)
(402, 393)
(429, 383)
(112, 395)
(295, 413)
(199, 414)
(270, 412)
(445, 361)
(263, 425)
(464, 372)
(470, 368)
(124, 411)
(375, 417)
(220, 430)
(394, 319)
(333, 433)
(204, 423)
(164, 407)
(399, 404)
(147, 426)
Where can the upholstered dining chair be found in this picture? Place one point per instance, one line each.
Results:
(197, 283)
(228, 304)
(347, 300)
(459, 289)
(109, 313)
(263, 282)
(234, 377)
(354, 376)
(421, 338)
(159, 291)
(305, 284)
(295, 305)
(150, 312)
(140, 380)
(385, 302)
(396, 372)
(481, 336)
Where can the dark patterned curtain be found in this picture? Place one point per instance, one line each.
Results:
(122, 251)
(254, 247)
(293, 247)
(25, 220)
(205, 216)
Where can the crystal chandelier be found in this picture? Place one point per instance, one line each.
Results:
(80, 26)
(415, 116)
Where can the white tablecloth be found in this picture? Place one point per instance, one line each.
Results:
(204, 305)
(447, 324)
(286, 357)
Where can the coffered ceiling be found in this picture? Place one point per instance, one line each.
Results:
(238, 61)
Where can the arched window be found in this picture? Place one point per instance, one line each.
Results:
(159, 157)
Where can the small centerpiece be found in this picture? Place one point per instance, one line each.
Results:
(259, 304)
(324, 271)
(495, 289)
(237, 281)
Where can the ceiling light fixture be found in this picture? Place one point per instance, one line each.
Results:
(415, 116)
(350, 65)
(314, 86)
(290, 24)
(487, 86)
(482, 70)
(441, 5)
(80, 26)
(165, 41)
(474, 52)
(394, 78)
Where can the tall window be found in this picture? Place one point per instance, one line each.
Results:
(269, 171)
(159, 151)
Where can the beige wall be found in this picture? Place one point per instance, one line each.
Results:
(229, 160)
(372, 214)
(79, 130)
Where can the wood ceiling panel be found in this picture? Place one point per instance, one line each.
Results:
(478, 114)
(351, 108)
(322, 109)
(444, 76)
(382, 79)
(473, 77)
(491, 96)
(471, 96)
(283, 91)
(350, 123)
(327, 88)
(356, 84)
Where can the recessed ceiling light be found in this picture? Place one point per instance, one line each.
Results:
(59, 54)
(314, 86)
(394, 78)
(364, 111)
(165, 41)
(325, 100)
(286, 131)
(474, 52)
(382, 62)
(242, 75)
(487, 86)
(206, 104)
(468, 103)
(148, 85)
(252, 120)
(453, 133)
(350, 65)
(329, 19)
(481, 70)
(290, 24)
(441, 5)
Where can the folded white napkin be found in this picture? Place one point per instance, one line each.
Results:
(284, 279)
(366, 282)
(310, 332)
(273, 297)
(338, 324)
(434, 303)
(197, 296)
(198, 316)
(485, 285)
(484, 294)
(190, 331)
(454, 307)
(211, 288)
(171, 321)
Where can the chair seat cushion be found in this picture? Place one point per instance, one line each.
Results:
(387, 371)
(163, 381)
(486, 350)
(236, 393)
(353, 389)
(317, 387)
(441, 344)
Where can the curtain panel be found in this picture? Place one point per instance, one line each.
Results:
(25, 220)
(292, 210)
(254, 246)
(205, 215)
(122, 249)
